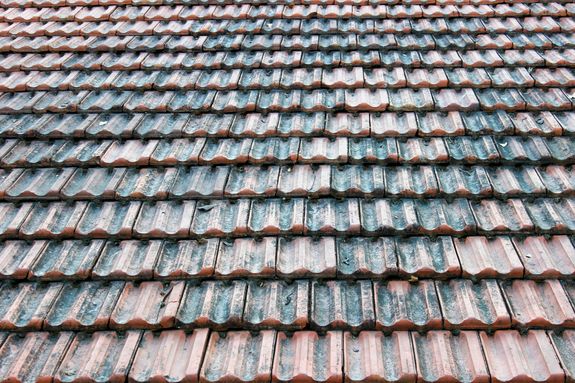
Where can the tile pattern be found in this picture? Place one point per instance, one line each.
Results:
(252, 191)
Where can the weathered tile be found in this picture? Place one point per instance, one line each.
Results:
(93, 183)
(374, 356)
(552, 215)
(183, 350)
(177, 151)
(276, 216)
(443, 356)
(331, 216)
(427, 257)
(32, 357)
(13, 217)
(54, 220)
(277, 304)
(323, 150)
(388, 216)
(129, 153)
(186, 259)
(462, 181)
(347, 124)
(342, 305)
(246, 257)
(127, 260)
(304, 180)
(18, 257)
(472, 305)
(538, 303)
(68, 259)
(226, 151)
(410, 181)
(26, 304)
(564, 345)
(510, 354)
(422, 150)
(355, 180)
(558, 180)
(366, 257)
(239, 356)
(543, 257)
(509, 182)
(306, 257)
(401, 305)
(103, 219)
(39, 183)
(501, 216)
(199, 181)
(221, 218)
(164, 219)
(83, 305)
(97, 357)
(217, 304)
(483, 257)
(150, 305)
(307, 356)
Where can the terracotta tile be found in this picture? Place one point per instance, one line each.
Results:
(363, 257)
(563, 344)
(127, 260)
(39, 183)
(192, 101)
(558, 180)
(100, 356)
(164, 219)
(548, 99)
(463, 181)
(275, 150)
(30, 153)
(255, 125)
(129, 153)
(509, 181)
(220, 218)
(427, 257)
(483, 257)
(216, 304)
(440, 124)
(472, 305)
(552, 215)
(330, 216)
(184, 348)
(385, 78)
(103, 101)
(410, 100)
(142, 183)
(306, 257)
(197, 181)
(239, 356)
(55, 220)
(422, 150)
(425, 78)
(205, 125)
(252, 181)
(307, 356)
(393, 124)
(542, 124)
(342, 305)
(529, 357)
(443, 356)
(115, 125)
(343, 77)
(27, 304)
(538, 304)
(21, 102)
(302, 78)
(225, 151)
(186, 259)
(92, 183)
(346, 124)
(402, 306)
(456, 100)
(85, 305)
(102, 219)
(553, 77)
(321, 149)
(408, 181)
(34, 356)
(380, 351)
(546, 257)
(522, 58)
(18, 257)
(69, 259)
(150, 305)
(442, 217)
(497, 216)
(246, 257)
(476, 58)
(355, 180)
(523, 149)
(277, 304)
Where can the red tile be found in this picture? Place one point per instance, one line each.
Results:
(239, 356)
(408, 181)
(343, 77)
(93, 183)
(368, 100)
(246, 257)
(306, 356)
(100, 356)
(410, 100)
(149, 305)
(385, 78)
(444, 357)
(346, 124)
(342, 305)
(483, 257)
(277, 304)
(183, 349)
(34, 356)
(456, 100)
(426, 78)
(127, 260)
(376, 357)
(546, 257)
(197, 181)
(304, 180)
(401, 305)
(543, 124)
(216, 304)
(422, 150)
(129, 153)
(529, 357)
(393, 124)
(26, 305)
(440, 124)
(558, 180)
(306, 257)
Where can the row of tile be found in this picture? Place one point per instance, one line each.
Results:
(268, 125)
(457, 304)
(299, 78)
(241, 356)
(520, 30)
(122, 12)
(327, 216)
(319, 100)
(475, 182)
(286, 151)
(288, 258)
(74, 59)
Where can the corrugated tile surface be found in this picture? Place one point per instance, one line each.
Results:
(326, 191)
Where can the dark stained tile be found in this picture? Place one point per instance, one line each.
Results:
(18, 257)
(14, 215)
(498, 216)
(564, 345)
(39, 183)
(127, 260)
(304, 180)
(552, 215)
(221, 218)
(27, 304)
(246, 257)
(199, 181)
(462, 181)
(306, 257)
(68, 259)
(164, 219)
(93, 183)
(331, 216)
(186, 259)
(410, 181)
(427, 257)
(276, 216)
(103, 219)
(54, 220)
(366, 257)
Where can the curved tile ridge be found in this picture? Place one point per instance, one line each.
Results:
(279, 357)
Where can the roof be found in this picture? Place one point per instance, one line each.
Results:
(318, 190)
